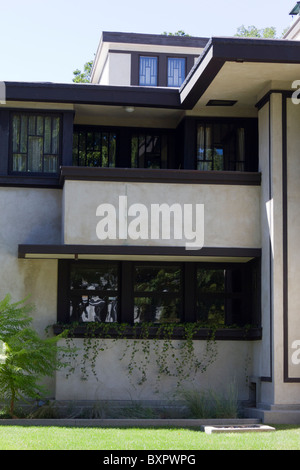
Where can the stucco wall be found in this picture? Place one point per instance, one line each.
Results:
(231, 213)
(30, 216)
(232, 365)
(273, 357)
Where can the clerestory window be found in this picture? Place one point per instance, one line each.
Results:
(148, 71)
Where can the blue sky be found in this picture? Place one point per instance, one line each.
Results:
(42, 40)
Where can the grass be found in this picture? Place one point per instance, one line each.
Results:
(68, 438)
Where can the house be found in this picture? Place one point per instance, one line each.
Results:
(166, 191)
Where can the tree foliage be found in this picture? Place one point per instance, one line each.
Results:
(85, 76)
(178, 33)
(253, 32)
(26, 357)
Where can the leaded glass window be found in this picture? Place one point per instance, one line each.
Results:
(94, 147)
(176, 71)
(221, 147)
(35, 143)
(147, 151)
(148, 71)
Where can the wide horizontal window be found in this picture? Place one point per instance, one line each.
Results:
(94, 147)
(216, 295)
(35, 143)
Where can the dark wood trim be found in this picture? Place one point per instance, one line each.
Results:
(154, 39)
(285, 273)
(270, 377)
(236, 50)
(266, 98)
(222, 334)
(160, 176)
(30, 181)
(162, 65)
(93, 94)
(117, 250)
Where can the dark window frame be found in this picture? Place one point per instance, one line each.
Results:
(250, 126)
(149, 56)
(189, 297)
(170, 57)
(36, 113)
(100, 130)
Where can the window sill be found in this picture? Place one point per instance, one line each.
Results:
(120, 331)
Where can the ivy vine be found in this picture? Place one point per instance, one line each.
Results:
(145, 344)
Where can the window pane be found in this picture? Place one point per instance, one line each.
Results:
(211, 311)
(47, 135)
(55, 135)
(161, 279)
(112, 150)
(148, 71)
(94, 148)
(35, 154)
(35, 143)
(94, 292)
(24, 134)
(102, 277)
(50, 164)
(93, 308)
(157, 309)
(220, 146)
(176, 72)
(157, 290)
(16, 127)
(211, 280)
(19, 162)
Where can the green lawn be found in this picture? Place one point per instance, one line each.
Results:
(67, 438)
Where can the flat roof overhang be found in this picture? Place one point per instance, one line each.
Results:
(137, 253)
(239, 69)
(234, 69)
(83, 93)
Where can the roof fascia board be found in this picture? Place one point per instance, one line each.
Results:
(93, 94)
(154, 39)
(221, 50)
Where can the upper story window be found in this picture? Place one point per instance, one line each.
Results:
(148, 71)
(221, 146)
(149, 150)
(35, 143)
(94, 147)
(176, 71)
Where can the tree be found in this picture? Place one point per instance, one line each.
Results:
(253, 32)
(178, 33)
(26, 358)
(85, 76)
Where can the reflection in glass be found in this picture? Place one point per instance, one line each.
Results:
(157, 293)
(94, 148)
(94, 293)
(146, 151)
(220, 146)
